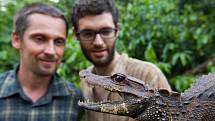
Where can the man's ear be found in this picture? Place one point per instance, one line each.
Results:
(74, 33)
(15, 40)
(118, 29)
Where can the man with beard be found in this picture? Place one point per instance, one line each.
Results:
(95, 25)
(33, 91)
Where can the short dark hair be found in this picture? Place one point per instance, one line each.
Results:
(83, 8)
(21, 22)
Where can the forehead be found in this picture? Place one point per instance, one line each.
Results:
(46, 24)
(96, 21)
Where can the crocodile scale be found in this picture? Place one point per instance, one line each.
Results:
(143, 103)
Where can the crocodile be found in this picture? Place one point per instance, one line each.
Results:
(143, 103)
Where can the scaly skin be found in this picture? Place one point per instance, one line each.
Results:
(146, 104)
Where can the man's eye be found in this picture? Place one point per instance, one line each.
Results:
(59, 42)
(87, 34)
(106, 32)
(39, 39)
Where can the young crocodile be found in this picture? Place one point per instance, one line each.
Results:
(145, 104)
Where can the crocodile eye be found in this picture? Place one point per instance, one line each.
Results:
(118, 77)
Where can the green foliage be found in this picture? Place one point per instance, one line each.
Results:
(150, 54)
(73, 61)
(176, 35)
(182, 82)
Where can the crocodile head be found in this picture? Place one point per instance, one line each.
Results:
(135, 94)
(144, 104)
(118, 82)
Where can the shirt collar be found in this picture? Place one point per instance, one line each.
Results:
(59, 87)
(9, 85)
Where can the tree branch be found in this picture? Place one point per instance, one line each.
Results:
(200, 68)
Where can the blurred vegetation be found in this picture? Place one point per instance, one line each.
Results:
(176, 35)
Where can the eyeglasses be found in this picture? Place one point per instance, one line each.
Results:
(88, 34)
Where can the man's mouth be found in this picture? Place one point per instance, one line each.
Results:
(48, 62)
(100, 53)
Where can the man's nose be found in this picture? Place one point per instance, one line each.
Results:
(50, 48)
(98, 40)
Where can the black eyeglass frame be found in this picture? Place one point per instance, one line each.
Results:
(95, 33)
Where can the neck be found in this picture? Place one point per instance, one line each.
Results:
(107, 69)
(34, 86)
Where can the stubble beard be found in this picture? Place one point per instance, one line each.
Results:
(47, 71)
(102, 62)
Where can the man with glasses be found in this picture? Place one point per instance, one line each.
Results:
(95, 25)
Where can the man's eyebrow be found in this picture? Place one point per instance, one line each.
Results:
(87, 29)
(37, 34)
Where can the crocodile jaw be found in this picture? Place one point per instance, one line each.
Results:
(124, 108)
(105, 107)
